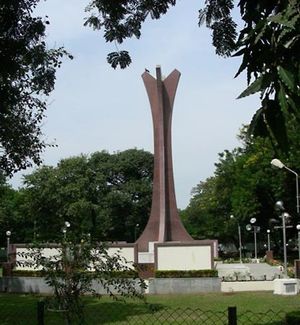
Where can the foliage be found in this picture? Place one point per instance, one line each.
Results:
(10, 218)
(244, 185)
(269, 45)
(27, 77)
(66, 273)
(104, 195)
(217, 17)
(121, 20)
(186, 274)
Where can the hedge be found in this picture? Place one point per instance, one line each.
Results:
(35, 273)
(187, 274)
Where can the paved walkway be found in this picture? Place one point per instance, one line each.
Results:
(257, 271)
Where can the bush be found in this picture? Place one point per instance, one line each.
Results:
(115, 274)
(187, 274)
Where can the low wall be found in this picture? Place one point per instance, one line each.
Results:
(155, 285)
(183, 285)
(24, 285)
(38, 285)
(238, 286)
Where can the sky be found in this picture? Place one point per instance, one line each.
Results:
(95, 107)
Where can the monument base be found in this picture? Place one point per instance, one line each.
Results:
(286, 287)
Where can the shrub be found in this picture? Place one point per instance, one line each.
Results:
(187, 274)
(73, 269)
(24, 273)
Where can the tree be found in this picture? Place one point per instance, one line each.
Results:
(245, 185)
(27, 77)
(9, 212)
(104, 194)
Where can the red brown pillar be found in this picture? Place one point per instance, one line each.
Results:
(164, 223)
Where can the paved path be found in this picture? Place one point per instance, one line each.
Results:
(257, 271)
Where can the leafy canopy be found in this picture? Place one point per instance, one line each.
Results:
(104, 194)
(123, 19)
(27, 77)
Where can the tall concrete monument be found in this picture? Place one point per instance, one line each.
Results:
(164, 224)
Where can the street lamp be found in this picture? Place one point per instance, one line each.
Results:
(298, 228)
(240, 239)
(135, 231)
(65, 228)
(256, 229)
(285, 219)
(8, 234)
(269, 244)
(277, 163)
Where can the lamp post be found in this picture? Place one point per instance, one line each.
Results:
(285, 219)
(8, 234)
(298, 228)
(240, 239)
(255, 229)
(277, 163)
(269, 243)
(136, 227)
(65, 228)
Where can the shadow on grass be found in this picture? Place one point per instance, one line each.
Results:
(17, 309)
(21, 310)
(123, 312)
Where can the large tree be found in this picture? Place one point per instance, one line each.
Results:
(10, 218)
(27, 76)
(104, 195)
(245, 185)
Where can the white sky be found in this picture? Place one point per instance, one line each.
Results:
(97, 108)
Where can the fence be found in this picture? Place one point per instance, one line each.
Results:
(118, 313)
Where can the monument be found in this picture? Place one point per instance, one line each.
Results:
(164, 224)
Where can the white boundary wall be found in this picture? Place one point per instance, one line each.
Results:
(46, 252)
(127, 252)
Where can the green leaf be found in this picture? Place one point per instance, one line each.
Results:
(283, 100)
(275, 120)
(254, 87)
(121, 59)
(257, 125)
(285, 21)
(287, 78)
(269, 121)
(290, 43)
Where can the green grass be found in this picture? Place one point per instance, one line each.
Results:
(204, 309)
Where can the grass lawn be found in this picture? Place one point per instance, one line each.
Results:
(204, 309)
